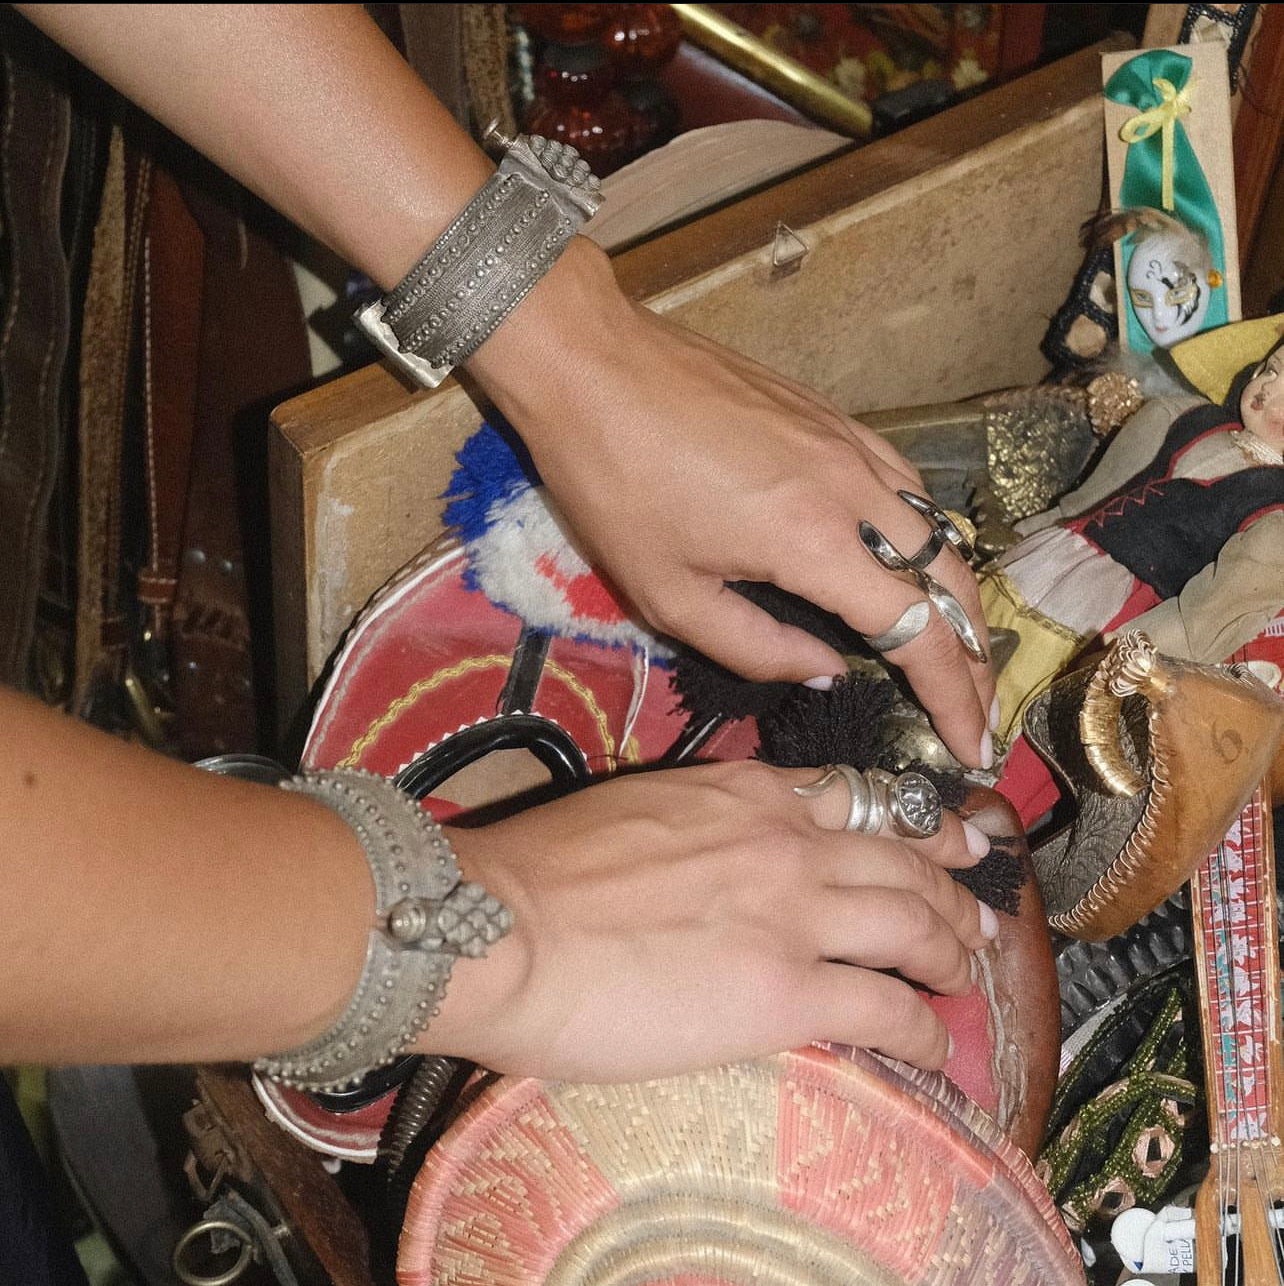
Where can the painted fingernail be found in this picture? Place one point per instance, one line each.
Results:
(949, 1046)
(978, 842)
(989, 921)
(987, 749)
(821, 683)
(994, 713)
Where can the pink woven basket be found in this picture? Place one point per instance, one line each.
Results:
(817, 1167)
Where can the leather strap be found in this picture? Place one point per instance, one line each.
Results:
(173, 276)
(52, 655)
(33, 343)
(110, 296)
(435, 49)
(253, 350)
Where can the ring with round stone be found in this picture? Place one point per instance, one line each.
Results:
(908, 802)
(913, 804)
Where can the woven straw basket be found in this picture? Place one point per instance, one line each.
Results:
(817, 1167)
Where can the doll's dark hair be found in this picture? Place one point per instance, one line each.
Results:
(1240, 382)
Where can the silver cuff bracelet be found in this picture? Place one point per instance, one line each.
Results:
(424, 918)
(508, 236)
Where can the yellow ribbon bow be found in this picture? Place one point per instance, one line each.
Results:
(1173, 105)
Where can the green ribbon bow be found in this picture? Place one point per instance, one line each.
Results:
(1162, 170)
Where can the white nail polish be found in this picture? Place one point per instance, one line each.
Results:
(821, 683)
(987, 749)
(994, 713)
(989, 921)
(978, 842)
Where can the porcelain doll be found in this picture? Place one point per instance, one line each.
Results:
(1179, 532)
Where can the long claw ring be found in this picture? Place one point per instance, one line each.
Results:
(952, 611)
(909, 804)
(955, 616)
(941, 522)
(883, 550)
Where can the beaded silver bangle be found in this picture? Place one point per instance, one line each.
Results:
(425, 917)
(508, 236)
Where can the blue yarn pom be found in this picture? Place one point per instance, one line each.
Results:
(492, 465)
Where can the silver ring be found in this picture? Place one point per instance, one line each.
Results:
(888, 556)
(954, 615)
(926, 555)
(913, 803)
(865, 810)
(909, 804)
(905, 629)
(885, 553)
(941, 521)
(892, 558)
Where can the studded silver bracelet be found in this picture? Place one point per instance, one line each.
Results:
(508, 236)
(425, 917)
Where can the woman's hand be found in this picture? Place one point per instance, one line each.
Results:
(682, 466)
(674, 920)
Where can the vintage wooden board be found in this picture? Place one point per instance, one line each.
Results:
(326, 1240)
(935, 259)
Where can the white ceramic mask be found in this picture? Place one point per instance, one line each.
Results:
(1168, 287)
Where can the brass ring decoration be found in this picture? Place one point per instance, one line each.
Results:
(1129, 668)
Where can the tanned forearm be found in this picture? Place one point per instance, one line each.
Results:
(155, 912)
(313, 109)
(307, 105)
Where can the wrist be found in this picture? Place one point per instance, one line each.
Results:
(426, 917)
(481, 268)
(536, 359)
(475, 1020)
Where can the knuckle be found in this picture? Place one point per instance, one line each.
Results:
(903, 1008)
(829, 511)
(662, 614)
(921, 875)
(749, 780)
(937, 645)
(968, 909)
(916, 917)
(937, 652)
(788, 851)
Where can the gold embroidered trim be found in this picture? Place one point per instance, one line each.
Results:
(466, 666)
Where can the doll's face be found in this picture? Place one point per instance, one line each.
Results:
(1261, 408)
(1168, 295)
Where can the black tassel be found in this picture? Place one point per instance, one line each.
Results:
(707, 690)
(811, 729)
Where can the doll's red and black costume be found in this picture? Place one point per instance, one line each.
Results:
(1179, 532)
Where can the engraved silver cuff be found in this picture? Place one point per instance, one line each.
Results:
(425, 917)
(508, 236)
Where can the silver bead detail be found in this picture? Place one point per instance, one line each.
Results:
(408, 920)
